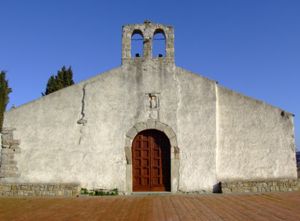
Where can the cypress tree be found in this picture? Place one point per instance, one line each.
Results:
(51, 85)
(4, 98)
(64, 78)
(68, 77)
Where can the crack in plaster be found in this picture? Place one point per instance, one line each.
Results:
(80, 138)
(82, 121)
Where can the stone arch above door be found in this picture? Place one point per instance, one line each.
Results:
(174, 151)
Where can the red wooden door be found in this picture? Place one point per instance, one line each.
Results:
(151, 161)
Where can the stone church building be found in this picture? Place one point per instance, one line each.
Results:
(149, 125)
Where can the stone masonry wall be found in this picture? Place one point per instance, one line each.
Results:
(35, 189)
(284, 185)
(10, 147)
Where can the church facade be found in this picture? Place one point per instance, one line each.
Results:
(147, 125)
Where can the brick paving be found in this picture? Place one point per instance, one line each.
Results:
(273, 206)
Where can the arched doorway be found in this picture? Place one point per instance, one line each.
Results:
(151, 162)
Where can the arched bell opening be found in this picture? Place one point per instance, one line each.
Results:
(159, 44)
(137, 44)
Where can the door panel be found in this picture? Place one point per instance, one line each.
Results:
(151, 161)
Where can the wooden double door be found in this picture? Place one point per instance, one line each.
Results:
(151, 161)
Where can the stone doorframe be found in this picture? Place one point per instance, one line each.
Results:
(174, 151)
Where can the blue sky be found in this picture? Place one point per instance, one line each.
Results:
(250, 46)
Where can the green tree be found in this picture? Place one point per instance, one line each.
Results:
(4, 99)
(64, 78)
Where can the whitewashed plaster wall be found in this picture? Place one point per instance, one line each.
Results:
(56, 148)
(255, 140)
(78, 134)
(196, 129)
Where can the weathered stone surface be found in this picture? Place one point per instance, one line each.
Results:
(160, 126)
(10, 147)
(151, 124)
(173, 142)
(131, 133)
(169, 132)
(39, 189)
(140, 126)
(280, 185)
(148, 30)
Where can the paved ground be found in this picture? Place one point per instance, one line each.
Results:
(275, 206)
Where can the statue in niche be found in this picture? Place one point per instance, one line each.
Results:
(153, 101)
